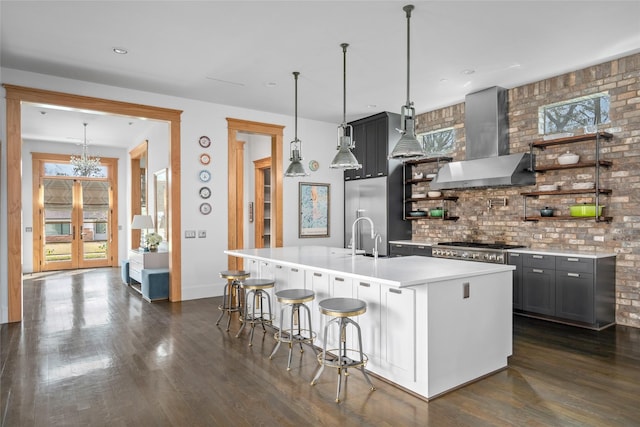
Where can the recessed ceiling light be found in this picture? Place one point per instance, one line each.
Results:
(120, 50)
(468, 71)
(372, 106)
(43, 112)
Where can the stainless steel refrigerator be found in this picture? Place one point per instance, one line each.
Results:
(381, 202)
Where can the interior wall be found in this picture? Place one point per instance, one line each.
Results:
(202, 259)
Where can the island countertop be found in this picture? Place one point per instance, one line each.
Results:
(399, 271)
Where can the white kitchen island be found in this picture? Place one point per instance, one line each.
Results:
(431, 325)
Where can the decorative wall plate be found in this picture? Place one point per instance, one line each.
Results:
(204, 175)
(205, 208)
(314, 165)
(205, 192)
(204, 141)
(205, 159)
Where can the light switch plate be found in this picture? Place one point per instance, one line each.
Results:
(202, 234)
(28, 229)
(190, 234)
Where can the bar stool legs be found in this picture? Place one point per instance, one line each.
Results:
(343, 357)
(254, 290)
(232, 295)
(294, 299)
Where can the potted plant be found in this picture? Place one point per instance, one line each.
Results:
(153, 240)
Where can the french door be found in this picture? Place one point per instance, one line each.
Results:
(73, 222)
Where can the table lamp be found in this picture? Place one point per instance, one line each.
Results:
(142, 222)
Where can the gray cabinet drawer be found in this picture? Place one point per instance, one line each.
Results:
(397, 249)
(574, 264)
(539, 261)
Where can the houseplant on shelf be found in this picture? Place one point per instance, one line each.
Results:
(153, 240)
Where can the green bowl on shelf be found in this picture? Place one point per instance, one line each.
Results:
(437, 213)
(585, 210)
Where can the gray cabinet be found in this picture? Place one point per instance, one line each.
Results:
(516, 260)
(539, 284)
(402, 249)
(565, 288)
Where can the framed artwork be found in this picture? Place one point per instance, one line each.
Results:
(314, 201)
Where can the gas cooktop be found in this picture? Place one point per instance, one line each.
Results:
(480, 245)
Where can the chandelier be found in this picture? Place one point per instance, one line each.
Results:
(85, 165)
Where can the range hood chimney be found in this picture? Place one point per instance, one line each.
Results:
(488, 162)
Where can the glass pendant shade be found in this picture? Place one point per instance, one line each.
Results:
(408, 146)
(345, 158)
(295, 147)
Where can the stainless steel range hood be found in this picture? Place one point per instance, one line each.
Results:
(488, 163)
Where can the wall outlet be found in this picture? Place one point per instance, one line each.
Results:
(28, 229)
(202, 234)
(190, 234)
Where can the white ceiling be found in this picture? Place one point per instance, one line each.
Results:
(242, 53)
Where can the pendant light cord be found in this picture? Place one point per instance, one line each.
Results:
(295, 77)
(408, 8)
(344, 83)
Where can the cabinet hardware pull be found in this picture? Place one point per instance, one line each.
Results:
(339, 279)
(317, 274)
(420, 247)
(278, 266)
(365, 285)
(295, 270)
(535, 270)
(573, 259)
(395, 291)
(514, 255)
(380, 173)
(367, 175)
(573, 275)
(465, 290)
(537, 256)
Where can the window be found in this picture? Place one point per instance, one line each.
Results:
(57, 229)
(438, 142)
(567, 116)
(66, 169)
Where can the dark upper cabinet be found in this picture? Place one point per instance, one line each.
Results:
(374, 138)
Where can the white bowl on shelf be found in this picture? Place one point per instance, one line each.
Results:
(418, 195)
(434, 193)
(431, 175)
(568, 158)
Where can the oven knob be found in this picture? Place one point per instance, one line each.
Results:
(500, 258)
(464, 255)
(486, 257)
(492, 257)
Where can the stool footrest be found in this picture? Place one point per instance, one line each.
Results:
(331, 359)
(285, 336)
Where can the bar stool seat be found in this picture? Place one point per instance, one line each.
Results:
(256, 289)
(232, 295)
(342, 358)
(295, 299)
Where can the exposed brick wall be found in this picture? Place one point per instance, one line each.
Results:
(621, 80)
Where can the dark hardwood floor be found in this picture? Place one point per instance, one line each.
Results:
(91, 352)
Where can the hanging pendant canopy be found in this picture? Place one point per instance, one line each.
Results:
(408, 146)
(295, 147)
(345, 159)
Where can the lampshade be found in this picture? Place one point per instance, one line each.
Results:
(295, 147)
(408, 146)
(141, 222)
(345, 158)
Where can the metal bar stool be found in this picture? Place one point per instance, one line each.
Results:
(229, 304)
(294, 333)
(256, 289)
(342, 358)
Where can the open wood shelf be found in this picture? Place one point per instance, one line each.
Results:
(417, 180)
(449, 218)
(421, 199)
(562, 192)
(571, 139)
(428, 160)
(603, 163)
(567, 218)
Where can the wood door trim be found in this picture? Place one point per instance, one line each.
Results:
(275, 132)
(15, 95)
(136, 209)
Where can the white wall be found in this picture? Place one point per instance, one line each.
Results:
(202, 259)
(29, 147)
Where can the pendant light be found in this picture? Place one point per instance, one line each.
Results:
(85, 165)
(345, 158)
(408, 145)
(295, 147)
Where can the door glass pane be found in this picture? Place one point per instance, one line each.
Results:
(95, 219)
(58, 206)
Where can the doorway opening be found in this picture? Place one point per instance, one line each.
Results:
(262, 174)
(15, 96)
(235, 203)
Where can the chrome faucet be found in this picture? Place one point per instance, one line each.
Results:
(376, 239)
(353, 233)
